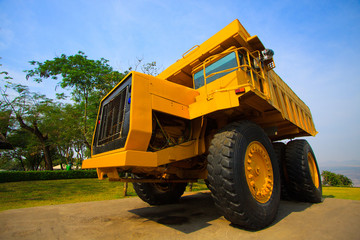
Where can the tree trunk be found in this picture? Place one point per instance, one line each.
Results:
(43, 139)
(48, 161)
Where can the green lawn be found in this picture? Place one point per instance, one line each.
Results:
(342, 192)
(52, 192)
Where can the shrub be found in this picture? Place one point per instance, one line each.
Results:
(335, 180)
(17, 176)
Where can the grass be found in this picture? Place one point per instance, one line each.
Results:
(51, 192)
(341, 192)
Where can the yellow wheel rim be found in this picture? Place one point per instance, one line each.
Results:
(259, 172)
(313, 169)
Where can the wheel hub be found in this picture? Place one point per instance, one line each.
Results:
(313, 170)
(259, 172)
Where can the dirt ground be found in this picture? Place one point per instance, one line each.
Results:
(194, 217)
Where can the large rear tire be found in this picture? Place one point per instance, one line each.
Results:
(280, 149)
(160, 193)
(243, 175)
(304, 181)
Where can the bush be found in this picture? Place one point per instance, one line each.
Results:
(17, 176)
(336, 180)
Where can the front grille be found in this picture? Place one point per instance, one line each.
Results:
(112, 118)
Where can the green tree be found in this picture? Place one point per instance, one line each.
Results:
(27, 153)
(345, 181)
(333, 179)
(4, 117)
(81, 75)
(30, 110)
(4, 126)
(69, 138)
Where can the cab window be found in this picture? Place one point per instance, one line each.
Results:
(227, 62)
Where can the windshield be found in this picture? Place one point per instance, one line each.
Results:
(227, 62)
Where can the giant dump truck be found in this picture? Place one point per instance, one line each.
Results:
(219, 113)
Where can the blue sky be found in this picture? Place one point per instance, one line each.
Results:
(316, 46)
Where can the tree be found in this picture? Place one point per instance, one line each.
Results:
(4, 126)
(77, 73)
(69, 138)
(150, 68)
(30, 111)
(333, 179)
(27, 153)
(4, 118)
(345, 181)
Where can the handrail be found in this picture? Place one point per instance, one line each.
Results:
(222, 71)
(188, 51)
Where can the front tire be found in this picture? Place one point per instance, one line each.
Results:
(243, 175)
(160, 193)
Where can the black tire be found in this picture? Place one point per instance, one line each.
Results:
(206, 183)
(160, 193)
(228, 181)
(279, 148)
(300, 164)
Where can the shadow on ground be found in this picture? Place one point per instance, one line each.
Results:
(192, 213)
(195, 212)
(328, 196)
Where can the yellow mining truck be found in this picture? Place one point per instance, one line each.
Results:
(217, 114)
